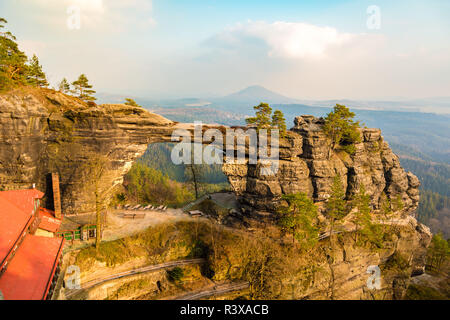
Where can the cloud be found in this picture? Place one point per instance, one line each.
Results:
(96, 15)
(295, 40)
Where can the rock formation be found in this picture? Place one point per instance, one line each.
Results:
(304, 166)
(43, 131)
(92, 147)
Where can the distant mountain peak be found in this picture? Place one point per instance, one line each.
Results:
(256, 88)
(257, 94)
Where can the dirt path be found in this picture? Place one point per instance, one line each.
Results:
(215, 291)
(117, 227)
(155, 267)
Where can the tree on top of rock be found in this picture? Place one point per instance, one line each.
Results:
(262, 119)
(64, 86)
(279, 122)
(35, 76)
(13, 66)
(83, 89)
(341, 129)
(131, 102)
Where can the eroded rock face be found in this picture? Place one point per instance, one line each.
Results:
(305, 166)
(44, 131)
(347, 277)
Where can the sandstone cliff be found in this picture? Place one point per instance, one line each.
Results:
(305, 167)
(44, 131)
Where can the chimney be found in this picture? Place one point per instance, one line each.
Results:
(56, 195)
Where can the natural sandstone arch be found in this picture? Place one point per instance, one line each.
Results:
(42, 131)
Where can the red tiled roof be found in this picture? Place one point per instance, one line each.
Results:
(13, 223)
(48, 220)
(23, 199)
(29, 274)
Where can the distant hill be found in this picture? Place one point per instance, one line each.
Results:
(254, 95)
(438, 105)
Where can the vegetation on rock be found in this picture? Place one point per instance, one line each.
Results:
(13, 68)
(131, 102)
(35, 76)
(279, 122)
(299, 218)
(366, 229)
(64, 86)
(336, 205)
(83, 89)
(341, 129)
(262, 116)
(264, 119)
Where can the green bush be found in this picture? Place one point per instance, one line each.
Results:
(148, 185)
(176, 274)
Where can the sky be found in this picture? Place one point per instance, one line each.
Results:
(206, 48)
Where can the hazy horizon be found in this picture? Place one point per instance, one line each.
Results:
(303, 50)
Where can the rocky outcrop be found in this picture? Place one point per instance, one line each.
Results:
(306, 165)
(92, 147)
(349, 274)
(44, 131)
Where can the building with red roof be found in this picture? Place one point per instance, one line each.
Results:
(29, 263)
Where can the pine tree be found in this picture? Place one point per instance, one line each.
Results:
(131, 102)
(13, 66)
(341, 129)
(336, 204)
(299, 219)
(386, 207)
(35, 76)
(83, 89)
(279, 122)
(438, 252)
(366, 229)
(262, 119)
(64, 86)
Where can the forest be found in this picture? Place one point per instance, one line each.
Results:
(154, 179)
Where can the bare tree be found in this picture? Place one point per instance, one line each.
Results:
(95, 171)
(193, 174)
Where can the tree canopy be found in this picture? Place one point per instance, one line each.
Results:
(13, 68)
(64, 86)
(366, 229)
(264, 119)
(438, 252)
(341, 129)
(35, 76)
(83, 89)
(131, 102)
(262, 116)
(279, 122)
(298, 218)
(336, 204)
